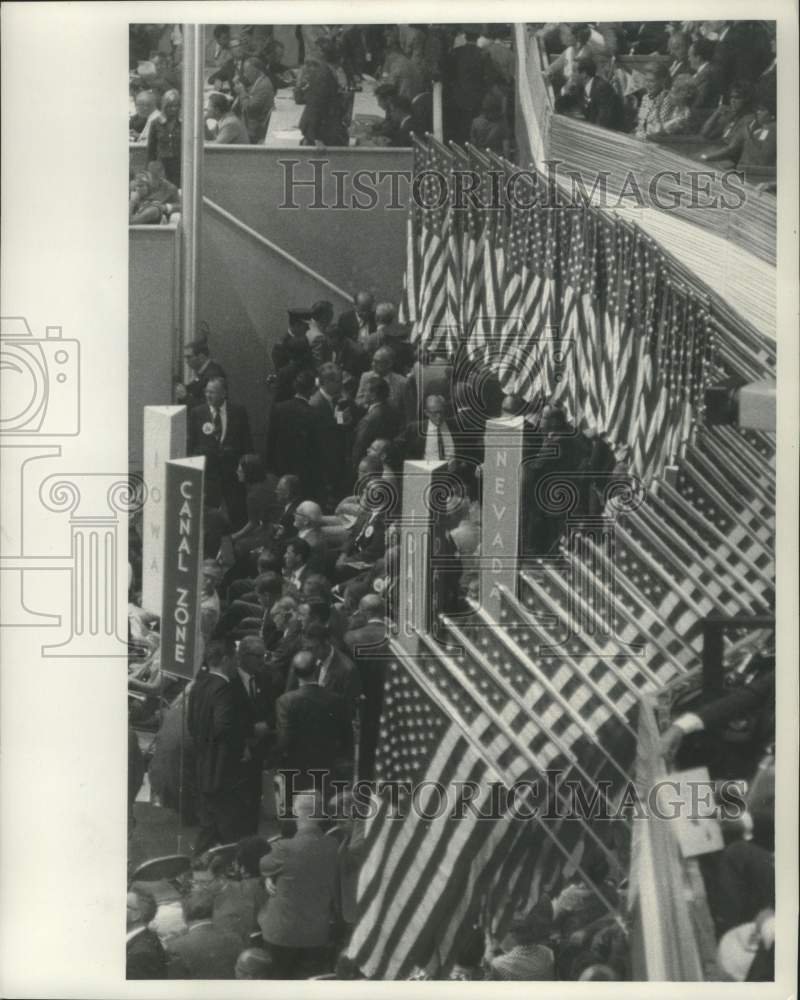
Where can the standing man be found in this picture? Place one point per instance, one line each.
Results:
(198, 358)
(254, 689)
(465, 82)
(164, 137)
(294, 440)
(359, 323)
(706, 78)
(255, 99)
(432, 439)
(380, 421)
(219, 731)
(320, 319)
(383, 366)
(220, 430)
(333, 431)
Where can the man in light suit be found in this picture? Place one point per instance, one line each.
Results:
(220, 431)
(255, 100)
(301, 876)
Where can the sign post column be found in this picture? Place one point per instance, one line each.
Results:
(500, 519)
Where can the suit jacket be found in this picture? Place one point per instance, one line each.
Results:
(467, 76)
(282, 654)
(397, 389)
(145, 957)
(318, 559)
(380, 421)
(709, 89)
(196, 389)
(304, 869)
(349, 355)
(322, 115)
(366, 639)
(218, 727)
(412, 441)
(237, 906)
(348, 324)
(203, 952)
(364, 544)
(222, 457)
(312, 728)
(603, 106)
(256, 106)
(294, 444)
(334, 440)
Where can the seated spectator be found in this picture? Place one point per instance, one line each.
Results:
(237, 905)
(143, 210)
(145, 102)
(707, 82)
(243, 617)
(525, 954)
(598, 100)
(380, 420)
(285, 641)
(204, 951)
(164, 192)
(308, 523)
(490, 129)
(164, 137)
(313, 731)
(580, 904)
(759, 144)
(367, 537)
(682, 116)
(280, 76)
(729, 120)
(296, 557)
(656, 106)
(144, 954)
(383, 362)
(678, 48)
(229, 129)
(255, 99)
(300, 874)
(254, 963)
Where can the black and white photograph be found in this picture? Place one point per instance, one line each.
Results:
(460, 480)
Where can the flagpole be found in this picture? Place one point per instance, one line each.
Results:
(191, 180)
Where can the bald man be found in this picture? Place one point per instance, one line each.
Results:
(432, 439)
(308, 524)
(253, 963)
(383, 364)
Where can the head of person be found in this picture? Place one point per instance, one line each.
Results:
(197, 352)
(585, 70)
(216, 392)
(276, 53)
(377, 391)
(364, 304)
(330, 379)
(683, 91)
(317, 640)
(371, 606)
(656, 79)
(384, 314)
(386, 95)
(171, 104)
(283, 612)
(305, 383)
(145, 103)
(328, 49)
(249, 853)
(143, 185)
(252, 69)
(250, 469)
(221, 656)
(740, 97)
(298, 322)
(222, 35)
(268, 588)
(678, 45)
(141, 907)
(701, 51)
(370, 468)
(554, 420)
(322, 314)
(250, 654)
(383, 361)
(304, 665)
(492, 106)
(217, 105)
(353, 593)
(434, 410)
(313, 610)
(764, 109)
(212, 575)
(156, 171)
(253, 963)
(581, 33)
(296, 554)
(316, 585)
(287, 488)
(198, 905)
(308, 515)
(379, 447)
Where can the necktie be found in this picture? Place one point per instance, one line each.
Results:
(217, 425)
(440, 441)
(253, 688)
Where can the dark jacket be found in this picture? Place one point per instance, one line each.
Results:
(603, 106)
(380, 421)
(313, 728)
(203, 952)
(366, 540)
(412, 440)
(196, 388)
(709, 89)
(145, 957)
(322, 115)
(218, 728)
(348, 324)
(294, 443)
(222, 457)
(237, 906)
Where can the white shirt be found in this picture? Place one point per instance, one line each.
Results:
(432, 442)
(245, 680)
(223, 417)
(323, 668)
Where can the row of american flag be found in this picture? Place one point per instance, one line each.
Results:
(566, 303)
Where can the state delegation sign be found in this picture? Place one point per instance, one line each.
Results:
(183, 560)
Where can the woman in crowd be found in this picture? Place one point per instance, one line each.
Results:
(260, 503)
(164, 139)
(143, 210)
(656, 106)
(679, 121)
(729, 122)
(230, 128)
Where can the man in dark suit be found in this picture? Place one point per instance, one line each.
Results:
(313, 729)
(742, 52)
(335, 671)
(256, 693)
(366, 539)
(380, 421)
(144, 955)
(204, 951)
(356, 324)
(220, 431)
(287, 495)
(432, 439)
(219, 729)
(707, 81)
(599, 102)
(465, 79)
(368, 645)
(285, 643)
(198, 358)
(295, 439)
(334, 433)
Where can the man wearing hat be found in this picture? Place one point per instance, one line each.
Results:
(198, 358)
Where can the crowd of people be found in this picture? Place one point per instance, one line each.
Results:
(713, 82)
